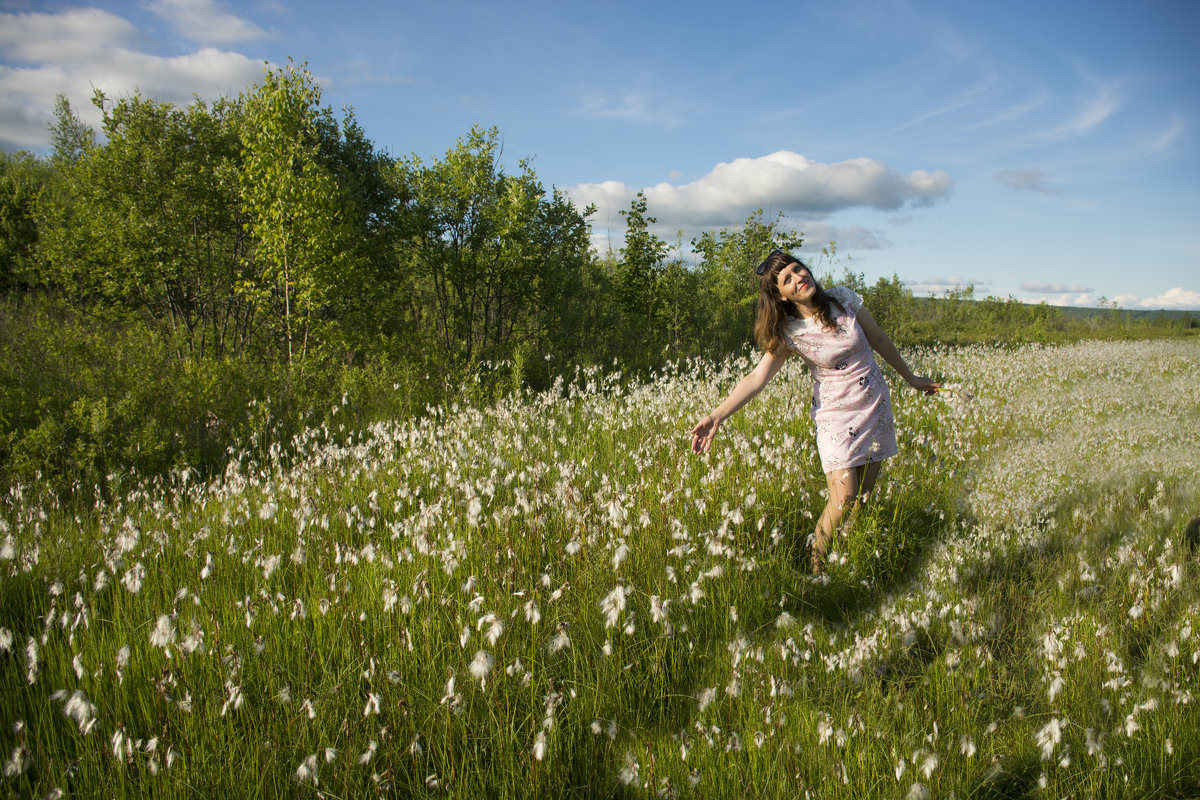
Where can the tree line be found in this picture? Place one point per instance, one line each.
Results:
(201, 276)
(185, 275)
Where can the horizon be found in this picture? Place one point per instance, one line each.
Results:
(1047, 153)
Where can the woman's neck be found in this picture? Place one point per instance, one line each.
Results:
(804, 310)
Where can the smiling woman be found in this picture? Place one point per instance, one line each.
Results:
(851, 405)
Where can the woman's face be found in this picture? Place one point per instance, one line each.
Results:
(796, 284)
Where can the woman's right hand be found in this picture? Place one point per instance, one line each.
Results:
(703, 433)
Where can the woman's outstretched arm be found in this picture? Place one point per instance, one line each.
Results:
(744, 392)
(882, 344)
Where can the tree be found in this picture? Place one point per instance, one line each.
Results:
(148, 222)
(22, 179)
(728, 284)
(295, 210)
(70, 137)
(490, 259)
(639, 272)
(891, 304)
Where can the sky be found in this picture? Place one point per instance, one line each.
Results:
(1046, 151)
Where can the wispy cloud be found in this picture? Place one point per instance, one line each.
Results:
(76, 51)
(1163, 142)
(360, 71)
(1012, 112)
(1030, 179)
(818, 234)
(971, 97)
(1103, 99)
(943, 284)
(636, 106)
(1045, 287)
(206, 21)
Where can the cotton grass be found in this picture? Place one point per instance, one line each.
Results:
(550, 596)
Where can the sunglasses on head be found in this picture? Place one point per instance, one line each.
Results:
(761, 268)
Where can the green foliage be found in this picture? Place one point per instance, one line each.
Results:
(728, 282)
(70, 137)
(639, 274)
(89, 404)
(22, 179)
(229, 270)
(547, 597)
(301, 251)
(149, 223)
(491, 264)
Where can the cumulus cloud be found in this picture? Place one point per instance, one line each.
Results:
(806, 191)
(1177, 298)
(1033, 180)
(76, 51)
(78, 35)
(1085, 300)
(1044, 287)
(205, 21)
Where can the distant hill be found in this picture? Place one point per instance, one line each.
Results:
(1135, 314)
(1078, 312)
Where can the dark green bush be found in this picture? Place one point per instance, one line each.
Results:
(89, 403)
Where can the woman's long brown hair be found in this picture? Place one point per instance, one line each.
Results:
(773, 310)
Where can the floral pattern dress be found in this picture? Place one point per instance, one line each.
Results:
(851, 405)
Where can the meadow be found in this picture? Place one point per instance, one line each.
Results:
(551, 596)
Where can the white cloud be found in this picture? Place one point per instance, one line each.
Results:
(1104, 100)
(816, 234)
(1085, 300)
(205, 21)
(1177, 298)
(1045, 287)
(77, 36)
(637, 106)
(805, 191)
(80, 50)
(1163, 141)
(782, 181)
(850, 237)
(1031, 179)
(941, 285)
(1172, 299)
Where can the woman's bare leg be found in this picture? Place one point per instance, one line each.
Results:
(867, 476)
(843, 486)
(848, 489)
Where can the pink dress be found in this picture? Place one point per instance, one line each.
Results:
(851, 406)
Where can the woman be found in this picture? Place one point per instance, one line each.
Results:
(851, 407)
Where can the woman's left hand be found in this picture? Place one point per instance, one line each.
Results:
(924, 385)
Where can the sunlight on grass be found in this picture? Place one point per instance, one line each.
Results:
(551, 596)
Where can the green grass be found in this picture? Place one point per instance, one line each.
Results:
(1014, 614)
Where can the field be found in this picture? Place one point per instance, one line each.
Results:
(552, 597)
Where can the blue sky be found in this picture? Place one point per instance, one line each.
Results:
(1041, 150)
